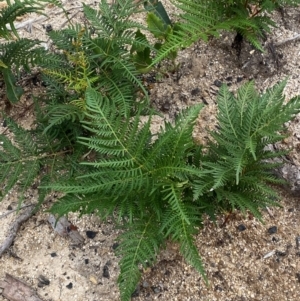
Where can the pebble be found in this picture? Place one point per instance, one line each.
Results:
(241, 227)
(105, 272)
(43, 281)
(145, 284)
(195, 91)
(93, 279)
(91, 234)
(115, 245)
(166, 106)
(48, 28)
(156, 289)
(272, 230)
(217, 83)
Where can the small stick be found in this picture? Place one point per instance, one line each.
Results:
(269, 254)
(270, 212)
(17, 290)
(19, 25)
(294, 38)
(13, 229)
(11, 211)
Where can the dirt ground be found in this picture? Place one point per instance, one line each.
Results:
(245, 260)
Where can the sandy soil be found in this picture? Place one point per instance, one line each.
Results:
(245, 260)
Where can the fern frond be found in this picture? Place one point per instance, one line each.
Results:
(247, 124)
(181, 230)
(23, 52)
(112, 21)
(198, 20)
(173, 196)
(19, 165)
(139, 246)
(68, 204)
(59, 114)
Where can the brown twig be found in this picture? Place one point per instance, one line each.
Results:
(17, 290)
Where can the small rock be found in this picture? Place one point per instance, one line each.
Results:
(105, 272)
(241, 227)
(91, 234)
(217, 83)
(69, 286)
(279, 253)
(48, 28)
(166, 106)
(93, 279)
(272, 230)
(145, 284)
(195, 92)
(115, 245)
(43, 281)
(156, 289)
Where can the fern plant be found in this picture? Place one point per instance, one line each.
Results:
(237, 164)
(145, 183)
(251, 19)
(96, 55)
(203, 19)
(21, 52)
(158, 187)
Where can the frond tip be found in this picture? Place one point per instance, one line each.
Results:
(138, 248)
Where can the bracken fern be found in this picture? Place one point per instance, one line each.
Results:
(159, 187)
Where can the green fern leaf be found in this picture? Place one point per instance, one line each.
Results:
(138, 246)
